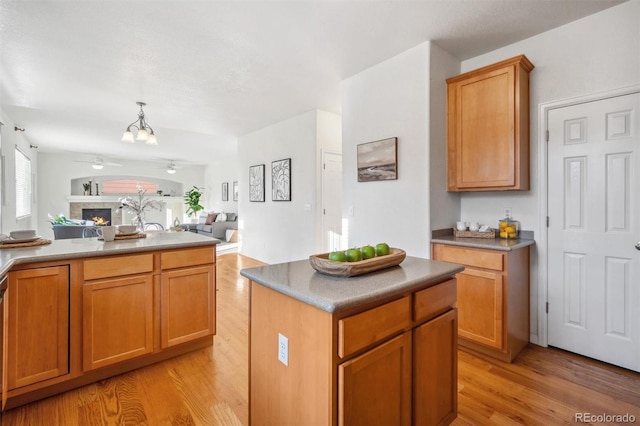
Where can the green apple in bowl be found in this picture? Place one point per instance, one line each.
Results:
(382, 249)
(367, 252)
(337, 256)
(353, 255)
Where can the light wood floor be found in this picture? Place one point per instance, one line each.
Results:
(209, 387)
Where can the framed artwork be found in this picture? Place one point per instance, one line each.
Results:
(256, 183)
(281, 180)
(378, 160)
(225, 191)
(235, 191)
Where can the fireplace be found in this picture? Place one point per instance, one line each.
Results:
(99, 216)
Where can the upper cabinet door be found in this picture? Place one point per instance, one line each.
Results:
(488, 127)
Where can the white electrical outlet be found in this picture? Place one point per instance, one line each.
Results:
(283, 349)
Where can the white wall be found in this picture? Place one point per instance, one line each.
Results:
(218, 171)
(279, 231)
(10, 140)
(55, 172)
(598, 53)
(390, 99)
(445, 206)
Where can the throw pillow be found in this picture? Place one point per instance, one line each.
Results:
(231, 217)
(232, 235)
(211, 217)
(202, 218)
(222, 217)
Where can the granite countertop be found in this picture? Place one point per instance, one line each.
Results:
(484, 243)
(334, 294)
(90, 247)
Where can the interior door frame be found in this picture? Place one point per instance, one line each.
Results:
(542, 245)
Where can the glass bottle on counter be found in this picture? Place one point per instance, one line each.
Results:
(509, 227)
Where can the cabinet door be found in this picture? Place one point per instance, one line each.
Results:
(187, 305)
(117, 320)
(435, 370)
(488, 127)
(37, 330)
(480, 302)
(375, 388)
(485, 135)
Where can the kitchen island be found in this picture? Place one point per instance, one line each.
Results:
(379, 348)
(80, 310)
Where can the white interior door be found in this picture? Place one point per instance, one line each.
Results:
(331, 201)
(594, 224)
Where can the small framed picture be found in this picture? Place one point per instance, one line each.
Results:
(256, 183)
(378, 160)
(225, 191)
(235, 191)
(281, 180)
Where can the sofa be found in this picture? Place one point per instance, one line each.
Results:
(215, 225)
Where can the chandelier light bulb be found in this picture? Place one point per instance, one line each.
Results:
(128, 137)
(151, 140)
(142, 135)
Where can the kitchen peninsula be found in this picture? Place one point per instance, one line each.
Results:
(379, 348)
(80, 310)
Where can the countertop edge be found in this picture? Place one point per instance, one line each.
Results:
(20, 260)
(370, 297)
(481, 244)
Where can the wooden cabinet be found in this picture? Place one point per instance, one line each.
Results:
(36, 330)
(493, 298)
(375, 387)
(117, 317)
(435, 371)
(187, 296)
(488, 127)
(117, 309)
(390, 364)
(69, 325)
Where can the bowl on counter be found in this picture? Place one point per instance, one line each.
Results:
(126, 229)
(22, 234)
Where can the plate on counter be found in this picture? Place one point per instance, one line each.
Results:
(20, 240)
(127, 234)
(322, 264)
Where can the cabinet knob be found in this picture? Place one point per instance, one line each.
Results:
(638, 245)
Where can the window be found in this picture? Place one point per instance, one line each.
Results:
(23, 184)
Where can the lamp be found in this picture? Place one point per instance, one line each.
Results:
(171, 168)
(144, 132)
(97, 165)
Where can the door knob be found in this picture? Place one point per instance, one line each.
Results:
(638, 245)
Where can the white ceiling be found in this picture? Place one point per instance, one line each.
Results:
(71, 71)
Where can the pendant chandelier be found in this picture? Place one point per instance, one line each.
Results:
(144, 132)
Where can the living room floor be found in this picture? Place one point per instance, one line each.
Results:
(210, 386)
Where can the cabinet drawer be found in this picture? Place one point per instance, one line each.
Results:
(106, 267)
(434, 300)
(188, 257)
(470, 257)
(361, 330)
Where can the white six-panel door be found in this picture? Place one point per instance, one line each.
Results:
(594, 224)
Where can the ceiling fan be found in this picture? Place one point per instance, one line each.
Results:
(99, 163)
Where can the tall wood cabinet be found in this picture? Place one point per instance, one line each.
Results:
(488, 127)
(493, 298)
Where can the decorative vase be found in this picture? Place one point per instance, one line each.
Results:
(138, 221)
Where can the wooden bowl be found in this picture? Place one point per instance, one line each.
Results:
(321, 263)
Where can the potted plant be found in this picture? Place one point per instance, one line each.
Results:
(192, 200)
